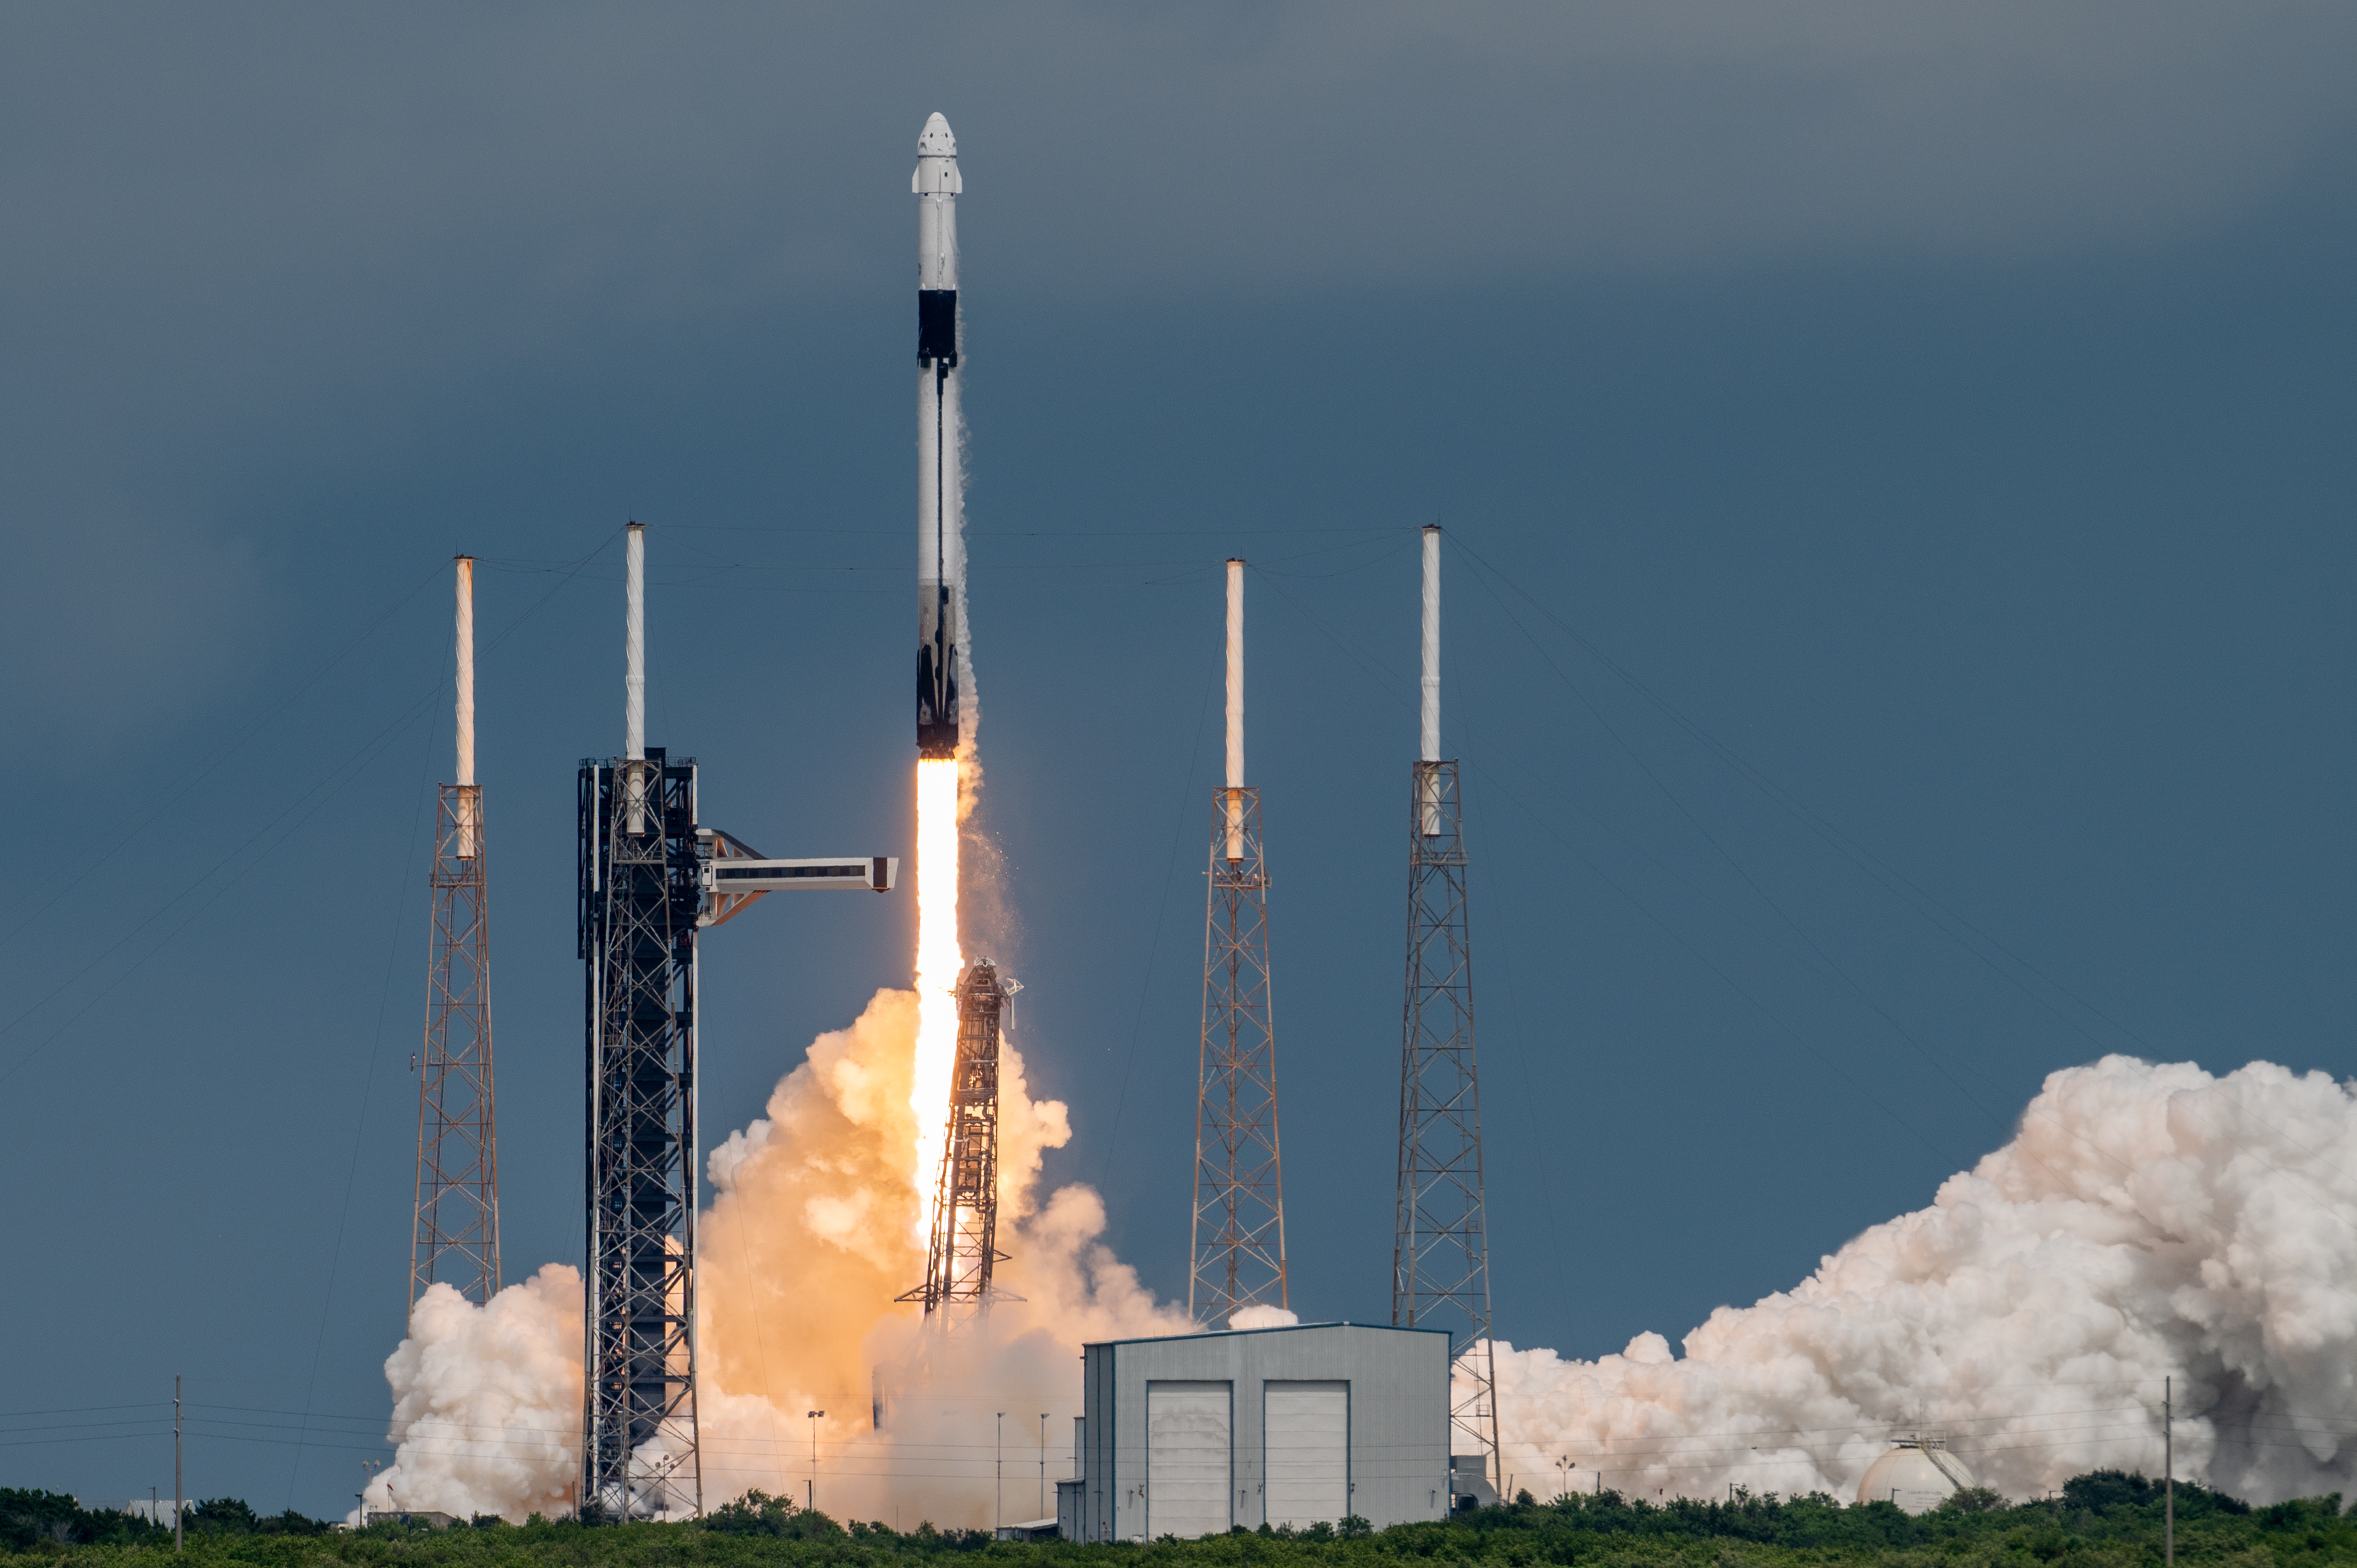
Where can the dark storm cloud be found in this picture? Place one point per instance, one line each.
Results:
(669, 161)
(220, 216)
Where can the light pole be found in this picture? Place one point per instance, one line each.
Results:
(1043, 1466)
(2169, 1468)
(998, 1492)
(812, 1501)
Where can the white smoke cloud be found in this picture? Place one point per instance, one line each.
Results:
(2146, 1222)
(487, 1401)
(806, 1244)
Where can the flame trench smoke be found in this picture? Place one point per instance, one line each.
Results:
(815, 1225)
(2146, 1222)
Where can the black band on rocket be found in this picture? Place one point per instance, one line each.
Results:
(937, 325)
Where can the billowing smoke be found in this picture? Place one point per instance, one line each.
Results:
(487, 1401)
(2145, 1222)
(811, 1237)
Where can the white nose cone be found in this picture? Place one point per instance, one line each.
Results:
(937, 170)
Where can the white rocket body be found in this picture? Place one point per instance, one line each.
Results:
(940, 558)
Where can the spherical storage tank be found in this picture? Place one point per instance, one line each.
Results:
(1919, 1474)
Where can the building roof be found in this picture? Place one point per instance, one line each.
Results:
(1272, 1328)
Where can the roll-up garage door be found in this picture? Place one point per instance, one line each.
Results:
(1187, 1459)
(1307, 1429)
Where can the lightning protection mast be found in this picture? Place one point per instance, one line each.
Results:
(1440, 1254)
(1239, 1221)
(457, 1237)
(650, 880)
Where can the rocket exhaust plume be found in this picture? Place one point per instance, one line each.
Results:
(938, 963)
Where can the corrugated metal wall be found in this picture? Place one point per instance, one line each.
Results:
(1321, 1421)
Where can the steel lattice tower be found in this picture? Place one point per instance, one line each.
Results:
(650, 879)
(965, 1247)
(640, 901)
(1238, 1234)
(1440, 1255)
(640, 904)
(456, 1239)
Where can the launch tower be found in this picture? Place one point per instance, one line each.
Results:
(650, 880)
(1440, 1254)
(965, 1246)
(455, 1239)
(1238, 1239)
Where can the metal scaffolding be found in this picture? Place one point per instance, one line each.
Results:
(650, 878)
(964, 1245)
(1440, 1254)
(1239, 1221)
(455, 1239)
(640, 901)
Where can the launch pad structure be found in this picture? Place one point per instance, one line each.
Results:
(455, 1239)
(963, 1248)
(1440, 1254)
(1237, 1241)
(651, 879)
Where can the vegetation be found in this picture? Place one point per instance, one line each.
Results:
(2106, 1520)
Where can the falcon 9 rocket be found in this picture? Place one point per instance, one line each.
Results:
(940, 554)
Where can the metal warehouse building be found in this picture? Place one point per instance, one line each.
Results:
(1194, 1434)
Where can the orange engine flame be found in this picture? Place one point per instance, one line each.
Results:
(937, 963)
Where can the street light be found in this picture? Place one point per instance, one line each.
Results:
(813, 1416)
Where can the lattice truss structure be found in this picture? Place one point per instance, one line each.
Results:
(1238, 1249)
(964, 1250)
(1440, 1255)
(638, 906)
(457, 1237)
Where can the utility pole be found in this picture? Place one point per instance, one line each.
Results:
(1237, 1244)
(998, 1488)
(1043, 1466)
(179, 1488)
(1440, 1254)
(2169, 1470)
